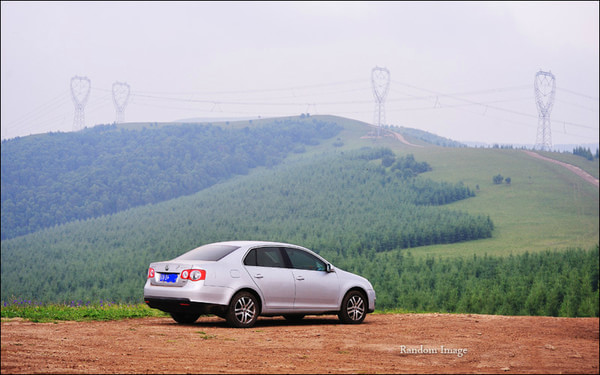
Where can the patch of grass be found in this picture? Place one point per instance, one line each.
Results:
(545, 207)
(394, 311)
(75, 311)
(206, 336)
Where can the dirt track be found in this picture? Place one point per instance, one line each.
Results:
(578, 171)
(407, 343)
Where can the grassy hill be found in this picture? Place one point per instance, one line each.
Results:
(544, 208)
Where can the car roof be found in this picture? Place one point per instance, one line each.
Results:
(250, 243)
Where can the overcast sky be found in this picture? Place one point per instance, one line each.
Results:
(462, 70)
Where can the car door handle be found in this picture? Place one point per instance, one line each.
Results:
(259, 276)
(299, 277)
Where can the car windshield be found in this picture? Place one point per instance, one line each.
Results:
(211, 252)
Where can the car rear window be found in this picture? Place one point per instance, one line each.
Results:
(208, 252)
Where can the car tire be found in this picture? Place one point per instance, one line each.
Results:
(293, 317)
(243, 310)
(354, 308)
(185, 318)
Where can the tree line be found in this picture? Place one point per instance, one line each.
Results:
(585, 152)
(549, 283)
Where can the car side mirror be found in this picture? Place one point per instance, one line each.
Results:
(329, 268)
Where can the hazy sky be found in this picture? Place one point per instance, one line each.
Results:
(462, 70)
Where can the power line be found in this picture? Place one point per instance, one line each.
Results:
(578, 94)
(453, 96)
(41, 110)
(253, 91)
(576, 105)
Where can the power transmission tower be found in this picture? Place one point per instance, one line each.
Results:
(120, 91)
(380, 80)
(544, 87)
(80, 93)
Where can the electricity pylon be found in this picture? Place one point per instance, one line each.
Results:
(80, 93)
(120, 91)
(380, 80)
(544, 88)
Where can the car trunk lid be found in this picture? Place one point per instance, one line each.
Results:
(167, 274)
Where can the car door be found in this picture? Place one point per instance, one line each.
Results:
(267, 268)
(316, 289)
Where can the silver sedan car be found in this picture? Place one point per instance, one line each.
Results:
(241, 280)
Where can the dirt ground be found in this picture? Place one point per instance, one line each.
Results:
(399, 343)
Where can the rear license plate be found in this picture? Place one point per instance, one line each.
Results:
(168, 277)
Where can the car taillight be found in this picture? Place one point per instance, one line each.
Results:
(150, 273)
(193, 274)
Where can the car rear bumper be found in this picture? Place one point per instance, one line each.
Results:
(197, 293)
(176, 305)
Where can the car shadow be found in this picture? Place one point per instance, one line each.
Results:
(278, 321)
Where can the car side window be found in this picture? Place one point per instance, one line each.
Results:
(265, 257)
(250, 259)
(302, 260)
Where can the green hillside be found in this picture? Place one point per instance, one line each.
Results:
(544, 207)
(55, 178)
(425, 223)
